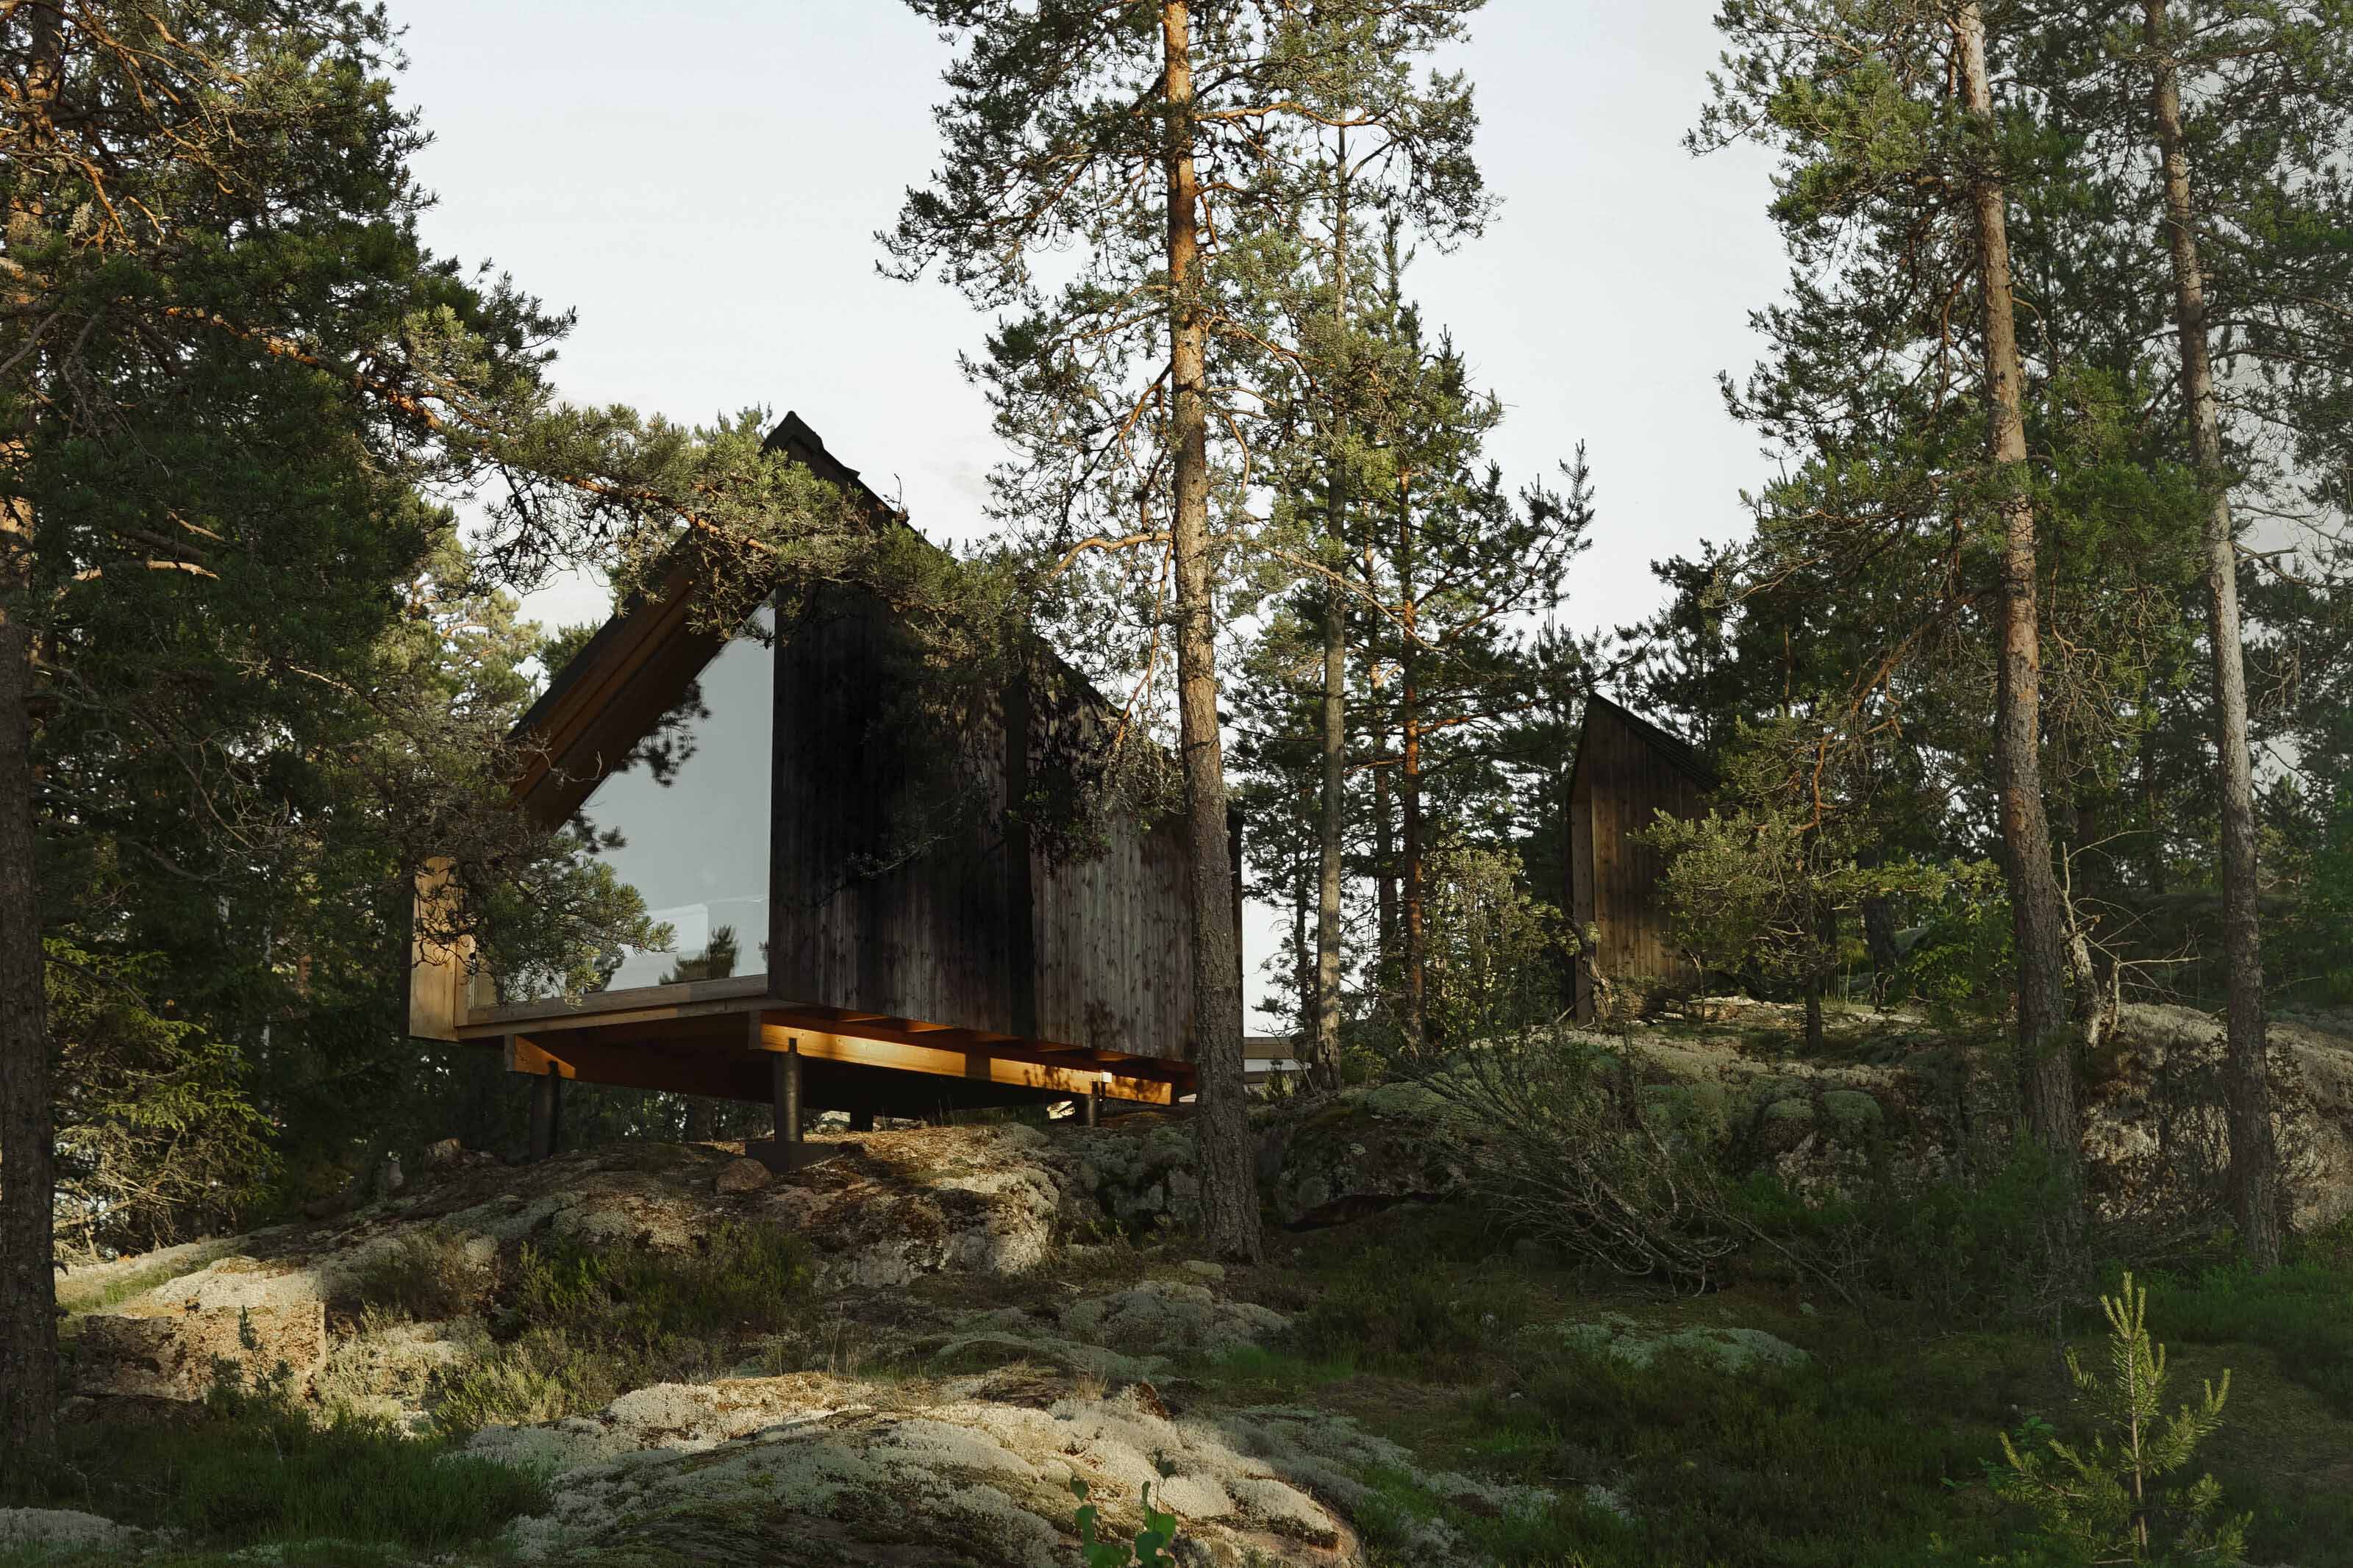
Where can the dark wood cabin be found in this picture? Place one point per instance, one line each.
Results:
(1628, 769)
(857, 922)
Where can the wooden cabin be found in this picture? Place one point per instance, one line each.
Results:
(1628, 769)
(857, 923)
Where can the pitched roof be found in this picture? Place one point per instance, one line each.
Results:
(1679, 754)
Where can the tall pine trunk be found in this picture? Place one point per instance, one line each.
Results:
(1323, 1067)
(2255, 1157)
(28, 1328)
(2045, 1047)
(1414, 894)
(1221, 1123)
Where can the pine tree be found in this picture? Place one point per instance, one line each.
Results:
(1885, 113)
(228, 367)
(1163, 141)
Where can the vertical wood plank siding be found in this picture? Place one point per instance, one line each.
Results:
(882, 901)
(1627, 772)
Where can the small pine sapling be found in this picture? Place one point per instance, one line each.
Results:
(1151, 1542)
(2100, 1504)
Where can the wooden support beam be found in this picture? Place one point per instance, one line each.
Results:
(972, 1065)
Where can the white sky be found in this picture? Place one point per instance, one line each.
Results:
(701, 181)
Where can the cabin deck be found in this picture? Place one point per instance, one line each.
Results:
(715, 1037)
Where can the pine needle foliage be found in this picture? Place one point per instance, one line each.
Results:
(2102, 1504)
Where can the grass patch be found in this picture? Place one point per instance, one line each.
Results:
(79, 1298)
(1389, 1308)
(1787, 1468)
(426, 1276)
(584, 1324)
(1261, 1372)
(258, 1470)
(2301, 1311)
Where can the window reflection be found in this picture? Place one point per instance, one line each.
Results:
(691, 809)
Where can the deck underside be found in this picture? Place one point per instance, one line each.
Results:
(719, 1040)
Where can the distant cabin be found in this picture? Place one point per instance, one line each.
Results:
(848, 933)
(1627, 770)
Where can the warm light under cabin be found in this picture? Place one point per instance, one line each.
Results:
(846, 936)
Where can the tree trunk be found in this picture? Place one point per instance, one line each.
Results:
(698, 1119)
(2046, 1057)
(1303, 952)
(1879, 936)
(1414, 899)
(1324, 1065)
(2255, 1156)
(28, 1327)
(1229, 1217)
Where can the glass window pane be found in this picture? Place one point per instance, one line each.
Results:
(692, 812)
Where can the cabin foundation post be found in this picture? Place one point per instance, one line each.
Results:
(862, 1121)
(1093, 1103)
(787, 1150)
(546, 1115)
(785, 1092)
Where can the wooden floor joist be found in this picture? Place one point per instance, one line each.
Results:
(717, 1044)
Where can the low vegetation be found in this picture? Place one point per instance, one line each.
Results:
(581, 1325)
(259, 1467)
(1876, 1449)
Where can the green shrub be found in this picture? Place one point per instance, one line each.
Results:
(1972, 1247)
(584, 1324)
(426, 1275)
(1149, 1550)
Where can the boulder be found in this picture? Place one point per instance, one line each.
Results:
(1362, 1151)
(1725, 1350)
(2154, 1119)
(64, 1530)
(1167, 1317)
(742, 1175)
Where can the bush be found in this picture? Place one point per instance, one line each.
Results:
(426, 1276)
(1569, 1149)
(584, 1324)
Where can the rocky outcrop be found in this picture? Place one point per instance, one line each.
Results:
(811, 1469)
(42, 1531)
(1360, 1152)
(161, 1352)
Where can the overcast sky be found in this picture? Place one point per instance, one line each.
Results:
(702, 182)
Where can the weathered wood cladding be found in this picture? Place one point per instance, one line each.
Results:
(900, 883)
(1627, 772)
(953, 950)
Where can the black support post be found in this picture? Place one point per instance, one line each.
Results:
(1094, 1103)
(546, 1115)
(784, 1090)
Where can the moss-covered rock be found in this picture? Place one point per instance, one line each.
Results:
(1728, 1350)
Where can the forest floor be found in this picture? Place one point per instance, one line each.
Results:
(903, 1357)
